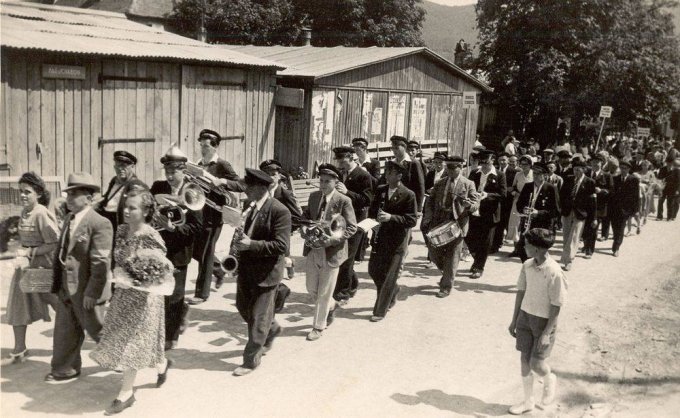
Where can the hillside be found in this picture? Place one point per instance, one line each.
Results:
(445, 25)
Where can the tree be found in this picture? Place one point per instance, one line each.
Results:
(333, 22)
(552, 58)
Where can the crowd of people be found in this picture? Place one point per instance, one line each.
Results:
(115, 253)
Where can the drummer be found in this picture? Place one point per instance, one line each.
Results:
(452, 200)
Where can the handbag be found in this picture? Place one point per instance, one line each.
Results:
(36, 280)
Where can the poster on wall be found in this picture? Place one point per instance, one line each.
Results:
(376, 121)
(322, 120)
(418, 118)
(396, 115)
(366, 114)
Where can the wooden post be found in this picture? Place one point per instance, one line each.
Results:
(597, 144)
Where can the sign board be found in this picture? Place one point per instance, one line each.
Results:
(288, 97)
(606, 111)
(643, 131)
(469, 98)
(71, 72)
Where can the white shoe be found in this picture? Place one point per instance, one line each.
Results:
(549, 383)
(522, 408)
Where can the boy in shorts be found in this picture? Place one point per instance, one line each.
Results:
(541, 290)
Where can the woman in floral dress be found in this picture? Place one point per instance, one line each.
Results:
(133, 336)
(39, 235)
(521, 178)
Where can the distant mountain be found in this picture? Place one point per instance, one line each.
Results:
(445, 25)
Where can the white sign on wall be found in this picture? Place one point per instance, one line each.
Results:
(418, 118)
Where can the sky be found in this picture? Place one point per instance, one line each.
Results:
(454, 2)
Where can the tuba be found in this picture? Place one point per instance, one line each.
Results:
(316, 232)
(170, 207)
(195, 174)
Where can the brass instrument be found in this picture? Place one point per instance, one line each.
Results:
(171, 208)
(230, 262)
(527, 214)
(195, 174)
(316, 232)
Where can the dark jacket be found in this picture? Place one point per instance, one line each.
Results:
(220, 169)
(263, 263)
(402, 206)
(583, 204)
(625, 197)
(429, 179)
(605, 182)
(496, 190)
(360, 191)
(132, 183)
(373, 168)
(672, 182)
(546, 204)
(180, 242)
(414, 181)
(287, 198)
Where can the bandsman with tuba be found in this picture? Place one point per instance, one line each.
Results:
(178, 236)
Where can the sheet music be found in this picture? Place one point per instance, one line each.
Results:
(368, 224)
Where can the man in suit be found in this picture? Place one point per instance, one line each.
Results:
(564, 166)
(438, 171)
(577, 200)
(624, 203)
(537, 200)
(451, 200)
(262, 248)
(204, 249)
(604, 183)
(395, 209)
(415, 179)
(113, 200)
(672, 190)
(371, 165)
(278, 191)
(491, 186)
(413, 149)
(80, 272)
(667, 193)
(179, 241)
(357, 185)
(325, 257)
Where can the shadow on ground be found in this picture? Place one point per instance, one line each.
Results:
(460, 404)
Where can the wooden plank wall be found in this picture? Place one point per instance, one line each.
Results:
(65, 118)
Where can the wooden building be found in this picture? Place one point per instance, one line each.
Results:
(79, 84)
(327, 96)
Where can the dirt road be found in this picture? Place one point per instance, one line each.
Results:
(616, 355)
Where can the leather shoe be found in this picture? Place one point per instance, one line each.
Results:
(567, 267)
(195, 301)
(56, 378)
(331, 316)
(476, 274)
(118, 406)
(169, 345)
(242, 371)
(162, 377)
(616, 253)
(314, 335)
(376, 318)
(219, 282)
(588, 256)
(269, 342)
(443, 293)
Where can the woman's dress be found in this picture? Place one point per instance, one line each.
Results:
(513, 222)
(133, 336)
(38, 231)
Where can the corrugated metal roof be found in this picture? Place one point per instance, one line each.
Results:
(77, 31)
(315, 62)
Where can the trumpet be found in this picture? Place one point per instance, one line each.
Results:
(194, 173)
(316, 232)
(527, 214)
(170, 207)
(230, 262)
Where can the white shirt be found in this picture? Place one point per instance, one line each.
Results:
(328, 199)
(367, 159)
(273, 190)
(510, 148)
(406, 158)
(76, 221)
(114, 199)
(578, 183)
(438, 174)
(543, 285)
(390, 192)
(212, 160)
(484, 177)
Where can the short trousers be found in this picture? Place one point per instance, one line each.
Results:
(529, 329)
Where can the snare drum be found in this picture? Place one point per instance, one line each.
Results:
(444, 234)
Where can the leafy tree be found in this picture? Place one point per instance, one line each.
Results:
(552, 58)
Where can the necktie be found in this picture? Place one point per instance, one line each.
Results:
(67, 238)
(574, 190)
(322, 207)
(250, 218)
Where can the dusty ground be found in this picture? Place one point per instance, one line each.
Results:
(617, 351)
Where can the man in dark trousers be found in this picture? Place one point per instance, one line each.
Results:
(624, 203)
(371, 165)
(564, 167)
(577, 203)
(509, 171)
(413, 149)
(80, 271)
(604, 183)
(395, 209)
(204, 248)
(491, 185)
(667, 192)
(357, 185)
(113, 200)
(179, 241)
(538, 201)
(438, 171)
(451, 200)
(415, 178)
(262, 248)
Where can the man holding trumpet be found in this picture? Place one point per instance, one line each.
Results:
(179, 240)
(451, 200)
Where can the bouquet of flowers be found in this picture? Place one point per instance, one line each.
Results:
(147, 270)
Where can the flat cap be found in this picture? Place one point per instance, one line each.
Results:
(209, 134)
(455, 161)
(540, 168)
(399, 139)
(270, 163)
(527, 159)
(564, 154)
(438, 155)
(413, 144)
(124, 157)
(548, 151)
(254, 176)
(393, 165)
(330, 170)
(342, 152)
(360, 141)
